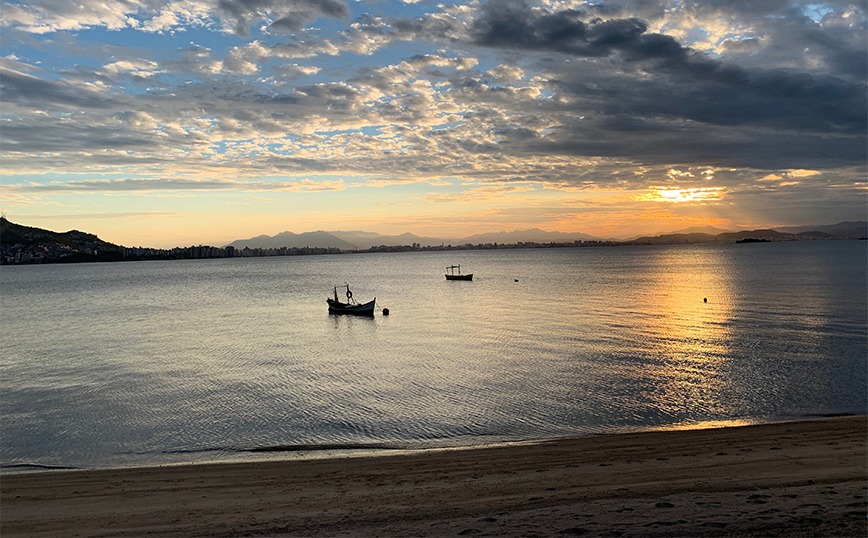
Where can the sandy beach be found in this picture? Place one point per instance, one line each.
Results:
(804, 478)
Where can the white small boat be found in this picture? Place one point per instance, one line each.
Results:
(351, 306)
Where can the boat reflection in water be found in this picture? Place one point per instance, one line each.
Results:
(351, 306)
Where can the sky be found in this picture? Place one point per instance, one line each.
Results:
(166, 123)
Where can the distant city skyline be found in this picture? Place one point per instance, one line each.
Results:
(204, 122)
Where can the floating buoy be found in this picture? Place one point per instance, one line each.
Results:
(385, 311)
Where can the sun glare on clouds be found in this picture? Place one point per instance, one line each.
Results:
(678, 195)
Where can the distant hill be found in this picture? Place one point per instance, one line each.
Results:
(358, 240)
(23, 244)
(842, 230)
(317, 239)
(853, 230)
(772, 235)
(702, 230)
(707, 230)
(366, 240)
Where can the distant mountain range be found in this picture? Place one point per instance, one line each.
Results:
(842, 230)
(710, 230)
(23, 244)
(358, 240)
(292, 240)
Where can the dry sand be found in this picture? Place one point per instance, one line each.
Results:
(805, 478)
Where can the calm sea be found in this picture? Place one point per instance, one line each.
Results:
(183, 361)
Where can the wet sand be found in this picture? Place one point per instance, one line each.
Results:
(805, 478)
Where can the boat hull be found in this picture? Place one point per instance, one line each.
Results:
(337, 307)
(460, 277)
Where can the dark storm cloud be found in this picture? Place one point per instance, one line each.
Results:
(789, 37)
(694, 144)
(687, 106)
(714, 93)
(514, 24)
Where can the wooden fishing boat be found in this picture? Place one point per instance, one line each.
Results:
(451, 275)
(351, 306)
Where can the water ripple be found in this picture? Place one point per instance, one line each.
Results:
(153, 362)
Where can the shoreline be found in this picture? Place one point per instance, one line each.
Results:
(378, 449)
(795, 478)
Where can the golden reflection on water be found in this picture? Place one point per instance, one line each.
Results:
(708, 424)
(689, 303)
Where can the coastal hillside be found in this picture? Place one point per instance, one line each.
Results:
(23, 244)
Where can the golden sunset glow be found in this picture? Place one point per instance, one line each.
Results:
(677, 195)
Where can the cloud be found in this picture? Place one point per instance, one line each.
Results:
(506, 73)
(292, 71)
(108, 216)
(714, 89)
(25, 89)
(478, 194)
(45, 16)
(175, 184)
(285, 15)
(499, 92)
(141, 68)
(52, 16)
(674, 195)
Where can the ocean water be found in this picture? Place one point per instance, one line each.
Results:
(149, 363)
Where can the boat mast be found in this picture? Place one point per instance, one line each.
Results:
(349, 294)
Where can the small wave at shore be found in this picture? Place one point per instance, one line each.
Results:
(284, 448)
(34, 467)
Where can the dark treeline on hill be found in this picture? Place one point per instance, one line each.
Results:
(26, 245)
